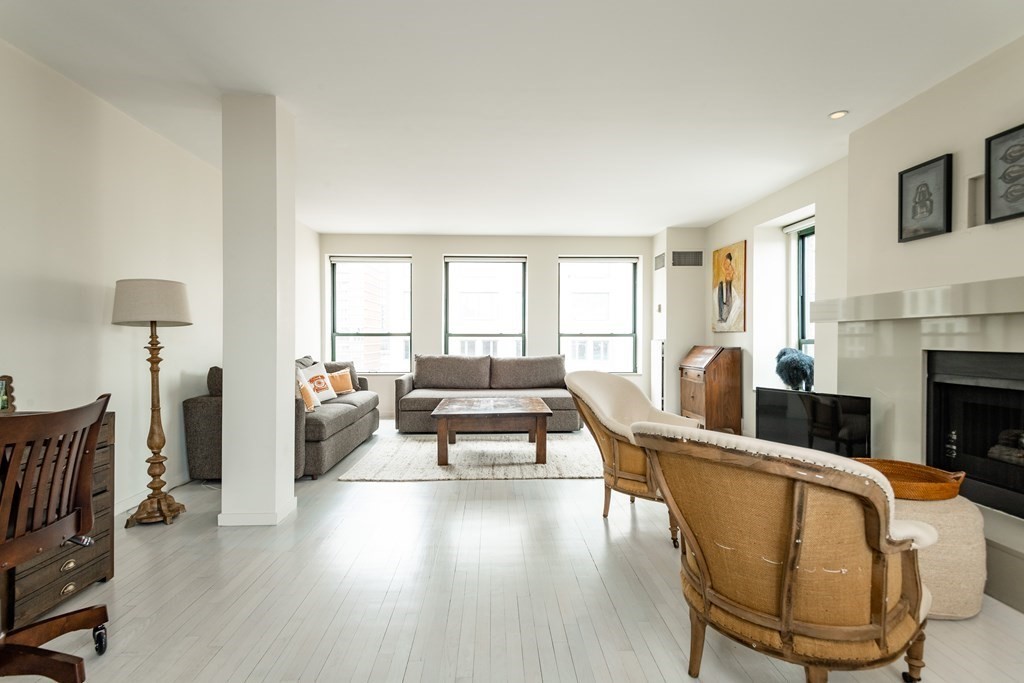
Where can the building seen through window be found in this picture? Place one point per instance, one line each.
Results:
(372, 320)
(805, 289)
(597, 313)
(485, 306)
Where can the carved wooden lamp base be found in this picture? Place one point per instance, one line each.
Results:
(149, 303)
(159, 508)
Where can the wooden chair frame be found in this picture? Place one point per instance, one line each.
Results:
(885, 550)
(611, 445)
(46, 463)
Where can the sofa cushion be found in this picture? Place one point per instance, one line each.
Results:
(452, 372)
(427, 399)
(528, 372)
(215, 381)
(339, 413)
(329, 419)
(363, 401)
(304, 362)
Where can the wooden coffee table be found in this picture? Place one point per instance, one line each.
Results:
(492, 415)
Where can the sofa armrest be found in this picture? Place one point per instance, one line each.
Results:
(300, 437)
(364, 385)
(203, 436)
(403, 385)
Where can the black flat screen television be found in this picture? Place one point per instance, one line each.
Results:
(826, 422)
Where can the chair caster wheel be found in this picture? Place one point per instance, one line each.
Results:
(675, 542)
(99, 636)
(908, 678)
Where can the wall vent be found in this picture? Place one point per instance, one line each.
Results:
(659, 261)
(687, 258)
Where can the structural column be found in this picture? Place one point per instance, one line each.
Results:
(258, 485)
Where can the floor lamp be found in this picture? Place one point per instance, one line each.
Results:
(153, 303)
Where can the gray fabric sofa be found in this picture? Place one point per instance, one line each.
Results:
(437, 377)
(322, 438)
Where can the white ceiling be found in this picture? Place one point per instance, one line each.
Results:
(586, 117)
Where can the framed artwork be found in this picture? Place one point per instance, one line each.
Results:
(6, 394)
(926, 199)
(1004, 175)
(729, 288)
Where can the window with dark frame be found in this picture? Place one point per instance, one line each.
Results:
(597, 314)
(805, 289)
(371, 312)
(485, 306)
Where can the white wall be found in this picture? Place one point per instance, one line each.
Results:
(953, 117)
(428, 252)
(683, 306)
(824, 194)
(88, 196)
(308, 336)
(885, 359)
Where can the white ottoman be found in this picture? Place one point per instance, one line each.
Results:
(953, 568)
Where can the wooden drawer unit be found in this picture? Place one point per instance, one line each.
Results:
(710, 387)
(693, 375)
(52, 594)
(39, 585)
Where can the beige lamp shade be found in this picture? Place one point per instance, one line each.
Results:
(141, 302)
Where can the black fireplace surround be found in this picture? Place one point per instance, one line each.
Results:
(976, 424)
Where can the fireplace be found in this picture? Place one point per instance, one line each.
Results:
(976, 424)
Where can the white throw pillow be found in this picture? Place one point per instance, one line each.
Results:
(304, 391)
(317, 377)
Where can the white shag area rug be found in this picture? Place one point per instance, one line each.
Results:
(413, 457)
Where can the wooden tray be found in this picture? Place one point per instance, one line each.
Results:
(911, 481)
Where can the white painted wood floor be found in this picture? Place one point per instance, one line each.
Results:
(442, 581)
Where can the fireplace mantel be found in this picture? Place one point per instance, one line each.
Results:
(991, 297)
(883, 341)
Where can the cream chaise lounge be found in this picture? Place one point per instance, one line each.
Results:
(608, 404)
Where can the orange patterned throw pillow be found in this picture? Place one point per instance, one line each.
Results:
(316, 375)
(341, 382)
(305, 391)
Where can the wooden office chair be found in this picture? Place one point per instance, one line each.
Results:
(608, 404)
(792, 552)
(46, 464)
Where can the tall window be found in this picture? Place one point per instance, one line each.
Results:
(805, 288)
(372, 312)
(597, 313)
(485, 306)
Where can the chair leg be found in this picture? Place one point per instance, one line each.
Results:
(697, 627)
(607, 499)
(21, 660)
(815, 674)
(46, 630)
(915, 658)
(673, 528)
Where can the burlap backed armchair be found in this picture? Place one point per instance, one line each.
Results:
(608, 404)
(791, 551)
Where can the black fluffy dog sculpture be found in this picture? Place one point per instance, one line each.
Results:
(795, 368)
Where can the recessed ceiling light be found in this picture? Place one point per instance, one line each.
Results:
(838, 114)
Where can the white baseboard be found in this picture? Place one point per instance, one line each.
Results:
(257, 518)
(131, 502)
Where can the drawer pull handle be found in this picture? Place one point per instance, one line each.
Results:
(68, 589)
(68, 566)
